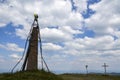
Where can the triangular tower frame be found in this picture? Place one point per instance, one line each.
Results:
(31, 57)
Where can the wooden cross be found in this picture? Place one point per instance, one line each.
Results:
(105, 66)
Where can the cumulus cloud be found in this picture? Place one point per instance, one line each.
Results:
(11, 47)
(106, 19)
(51, 47)
(54, 35)
(81, 5)
(59, 25)
(54, 13)
(60, 34)
(15, 56)
(92, 46)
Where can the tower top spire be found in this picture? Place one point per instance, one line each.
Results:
(35, 17)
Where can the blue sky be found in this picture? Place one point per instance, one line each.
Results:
(74, 33)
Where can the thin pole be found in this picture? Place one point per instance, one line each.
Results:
(86, 69)
(42, 59)
(41, 50)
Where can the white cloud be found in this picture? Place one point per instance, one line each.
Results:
(55, 13)
(69, 51)
(51, 47)
(15, 56)
(106, 19)
(92, 46)
(81, 5)
(64, 33)
(53, 35)
(1, 59)
(70, 30)
(2, 24)
(11, 47)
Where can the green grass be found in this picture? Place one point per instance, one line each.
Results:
(89, 77)
(30, 75)
(42, 75)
